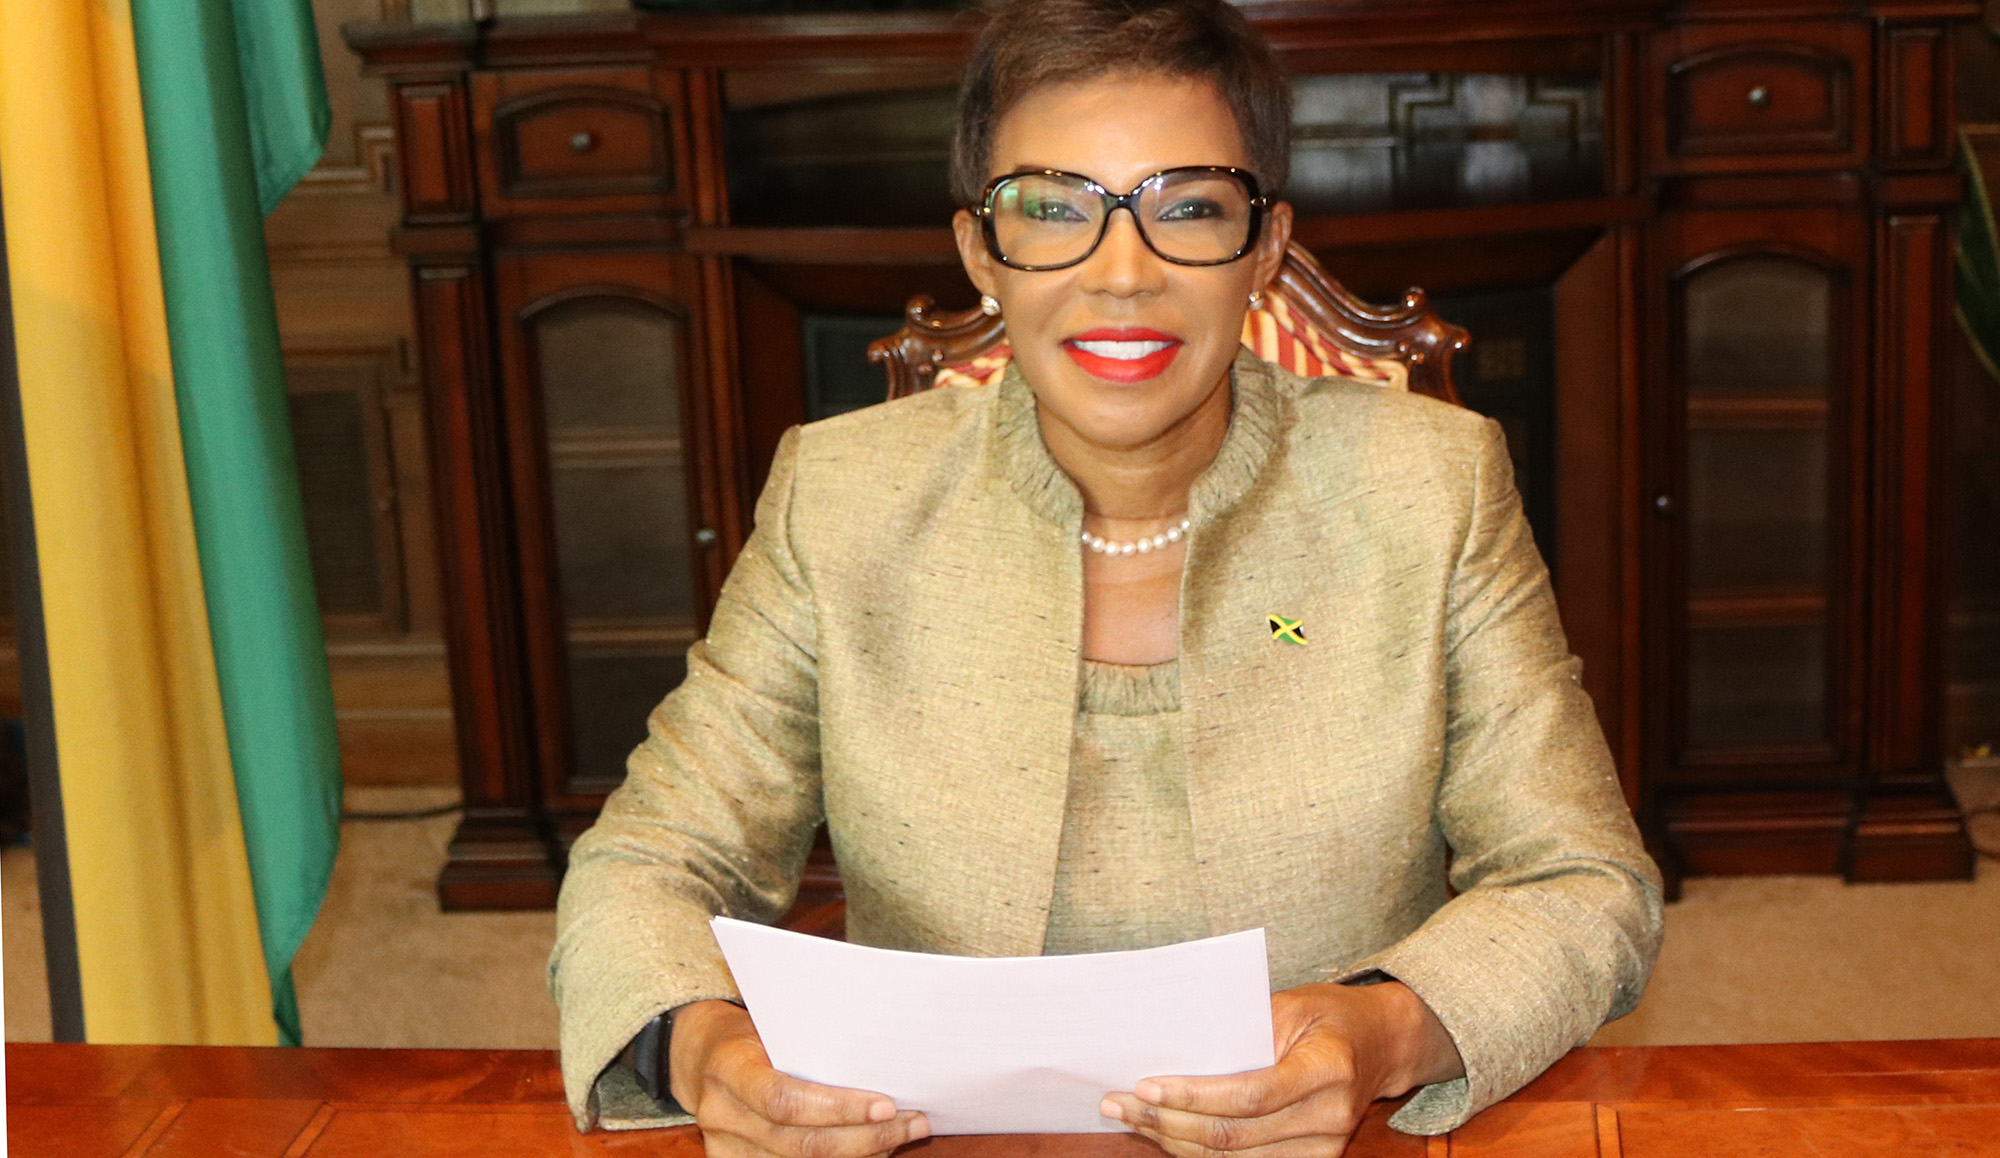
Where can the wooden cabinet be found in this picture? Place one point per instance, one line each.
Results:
(1759, 512)
(1704, 245)
(598, 358)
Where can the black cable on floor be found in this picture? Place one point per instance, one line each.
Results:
(412, 814)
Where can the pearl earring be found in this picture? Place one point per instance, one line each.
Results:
(989, 305)
(1256, 299)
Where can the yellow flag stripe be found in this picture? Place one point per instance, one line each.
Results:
(166, 925)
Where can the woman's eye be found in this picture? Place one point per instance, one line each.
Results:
(1190, 209)
(1051, 211)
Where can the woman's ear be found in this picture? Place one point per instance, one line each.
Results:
(972, 251)
(1271, 246)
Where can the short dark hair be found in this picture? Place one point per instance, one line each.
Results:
(1031, 43)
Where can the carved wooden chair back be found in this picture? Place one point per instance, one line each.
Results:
(1308, 323)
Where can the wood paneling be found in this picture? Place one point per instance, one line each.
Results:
(482, 621)
(1912, 269)
(433, 145)
(1910, 828)
(1915, 112)
(340, 431)
(1591, 420)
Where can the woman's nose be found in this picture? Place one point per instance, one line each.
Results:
(1123, 265)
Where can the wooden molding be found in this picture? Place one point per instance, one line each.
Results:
(375, 172)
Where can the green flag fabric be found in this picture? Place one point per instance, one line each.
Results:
(236, 111)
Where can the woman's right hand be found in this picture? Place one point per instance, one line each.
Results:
(718, 1071)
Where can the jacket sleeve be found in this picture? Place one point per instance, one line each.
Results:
(715, 816)
(1556, 922)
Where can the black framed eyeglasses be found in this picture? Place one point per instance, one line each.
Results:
(1194, 215)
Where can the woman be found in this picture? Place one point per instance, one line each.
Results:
(1014, 645)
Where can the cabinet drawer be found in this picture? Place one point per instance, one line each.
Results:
(606, 137)
(1762, 96)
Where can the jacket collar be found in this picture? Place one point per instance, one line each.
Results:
(1254, 418)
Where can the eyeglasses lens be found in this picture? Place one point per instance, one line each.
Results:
(1195, 216)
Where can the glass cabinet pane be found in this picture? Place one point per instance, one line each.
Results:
(1759, 326)
(1372, 142)
(600, 364)
(610, 372)
(1757, 508)
(847, 149)
(1758, 356)
(618, 686)
(622, 545)
(1757, 686)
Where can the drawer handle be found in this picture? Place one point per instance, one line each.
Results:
(582, 142)
(705, 537)
(1760, 97)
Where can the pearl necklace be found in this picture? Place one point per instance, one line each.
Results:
(1138, 547)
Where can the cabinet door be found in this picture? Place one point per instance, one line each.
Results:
(601, 372)
(1760, 369)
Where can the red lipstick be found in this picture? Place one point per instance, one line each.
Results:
(1122, 353)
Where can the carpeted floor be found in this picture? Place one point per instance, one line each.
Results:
(1766, 959)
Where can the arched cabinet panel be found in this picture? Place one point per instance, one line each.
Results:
(1758, 339)
(609, 371)
(1758, 563)
(615, 558)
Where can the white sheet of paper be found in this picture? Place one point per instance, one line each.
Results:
(1002, 1045)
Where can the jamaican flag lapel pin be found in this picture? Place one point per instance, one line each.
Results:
(1286, 630)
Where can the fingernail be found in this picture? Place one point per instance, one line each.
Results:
(1150, 1091)
(881, 1111)
(920, 1127)
(1111, 1110)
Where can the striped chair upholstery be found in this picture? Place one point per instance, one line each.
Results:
(1306, 322)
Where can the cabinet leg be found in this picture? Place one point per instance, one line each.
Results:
(498, 861)
(1910, 834)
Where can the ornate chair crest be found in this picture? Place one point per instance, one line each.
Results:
(1309, 323)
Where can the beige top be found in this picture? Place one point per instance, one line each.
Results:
(1420, 791)
(1126, 875)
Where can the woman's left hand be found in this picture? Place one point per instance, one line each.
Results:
(1339, 1048)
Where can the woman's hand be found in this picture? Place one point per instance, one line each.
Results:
(719, 1072)
(1339, 1048)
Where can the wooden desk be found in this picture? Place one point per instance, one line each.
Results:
(1868, 1098)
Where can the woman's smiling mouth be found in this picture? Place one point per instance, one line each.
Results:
(1123, 355)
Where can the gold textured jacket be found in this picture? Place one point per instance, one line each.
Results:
(1421, 791)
